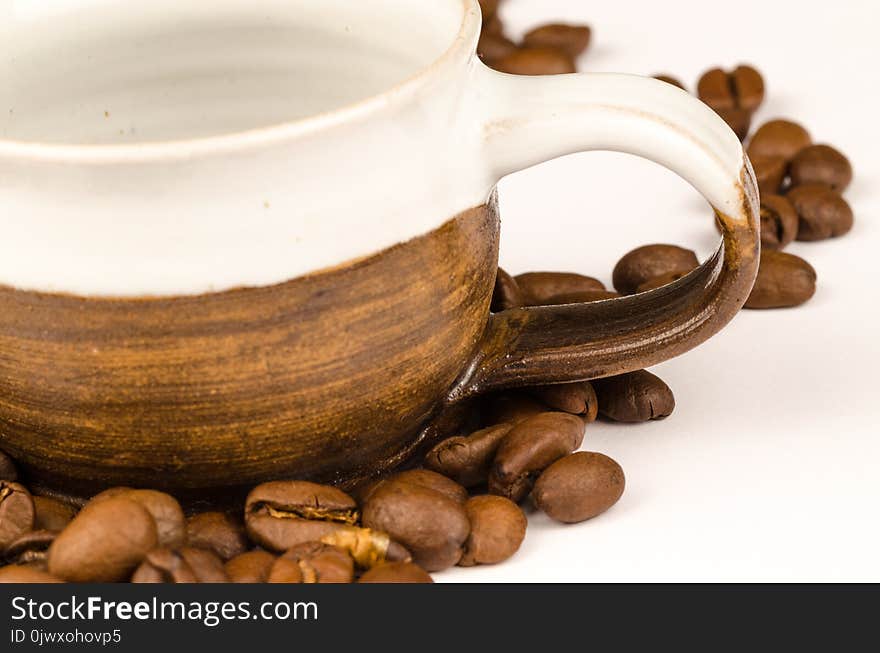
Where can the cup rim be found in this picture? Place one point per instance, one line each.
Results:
(462, 44)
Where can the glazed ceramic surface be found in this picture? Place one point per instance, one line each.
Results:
(247, 240)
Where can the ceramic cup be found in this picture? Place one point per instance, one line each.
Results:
(255, 239)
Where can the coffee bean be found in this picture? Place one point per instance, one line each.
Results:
(582, 297)
(206, 565)
(250, 567)
(579, 487)
(317, 563)
(779, 138)
(492, 47)
(25, 574)
(507, 293)
(429, 524)
(16, 512)
(30, 549)
(104, 542)
(575, 398)
(166, 511)
(51, 514)
(512, 407)
(770, 173)
(538, 287)
(466, 459)
(779, 221)
(218, 532)
(280, 513)
(743, 88)
(498, 527)
(163, 566)
(530, 447)
(784, 280)
(434, 481)
(571, 39)
(634, 397)
(822, 213)
(535, 61)
(648, 262)
(396, 572)
(8, 472)
(659, 282)
(738, 119)
(488, 8)
(493, 25)
(671, 80)
(286, 571)
(821, 164)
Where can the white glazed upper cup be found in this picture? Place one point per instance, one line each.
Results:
(175, 148)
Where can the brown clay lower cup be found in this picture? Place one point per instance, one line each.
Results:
(203, 292)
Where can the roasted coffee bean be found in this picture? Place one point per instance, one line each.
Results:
(429, 524)
(507, 293)
(52, 514)
(25, 574)
(511, 407)
(488, 8)
(582, 297)
(648, 262)
(529, 448)
(166, 511)
(779, 221)
(743, 88)
(784, 280)
(770, 173)
(466, 459)
(164, 566)
(286, 571)
(535, 61)
(822, 213)
(821, 164)
(579, 487)
(538, 287)
(671, 80)
(492, 47)
(218, 532)
(16, 512)
(498, 527)
(659, 282)
(493, 25)
(317, 563)
(571, 39)
(434, 481)
(778, 138)
(575, 398)
(396, 572)
(8, 472)
(634, 397)
(738, 119)
(250, 567)
(104, 543)
(206, 565)
(30, 549)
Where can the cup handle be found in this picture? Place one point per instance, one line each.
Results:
(534, 119)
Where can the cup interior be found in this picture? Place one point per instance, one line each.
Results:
(98, 72)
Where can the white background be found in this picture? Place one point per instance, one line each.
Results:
(769, 469)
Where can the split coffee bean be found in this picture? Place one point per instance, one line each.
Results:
(538, 287)
(104, 542)
(316, 562)
(218, 532)
(166, 512)
(16, 512)
(821, 164)
(535, 61)
(8, 472)
(649, 262)
(784, 280)
(579, 487)
(671, 80)
(498, 527)
(396, 572)
(575, 398)
(507, 293)
(779, 221)
(25, 574)
(30, 549)
(742, 88)
(770, 173)
(529, 448)
(429, 524)
(634, 397)
(822, 213)
(571, 39)
(466, 459)
(250, 567)
(779, 138)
